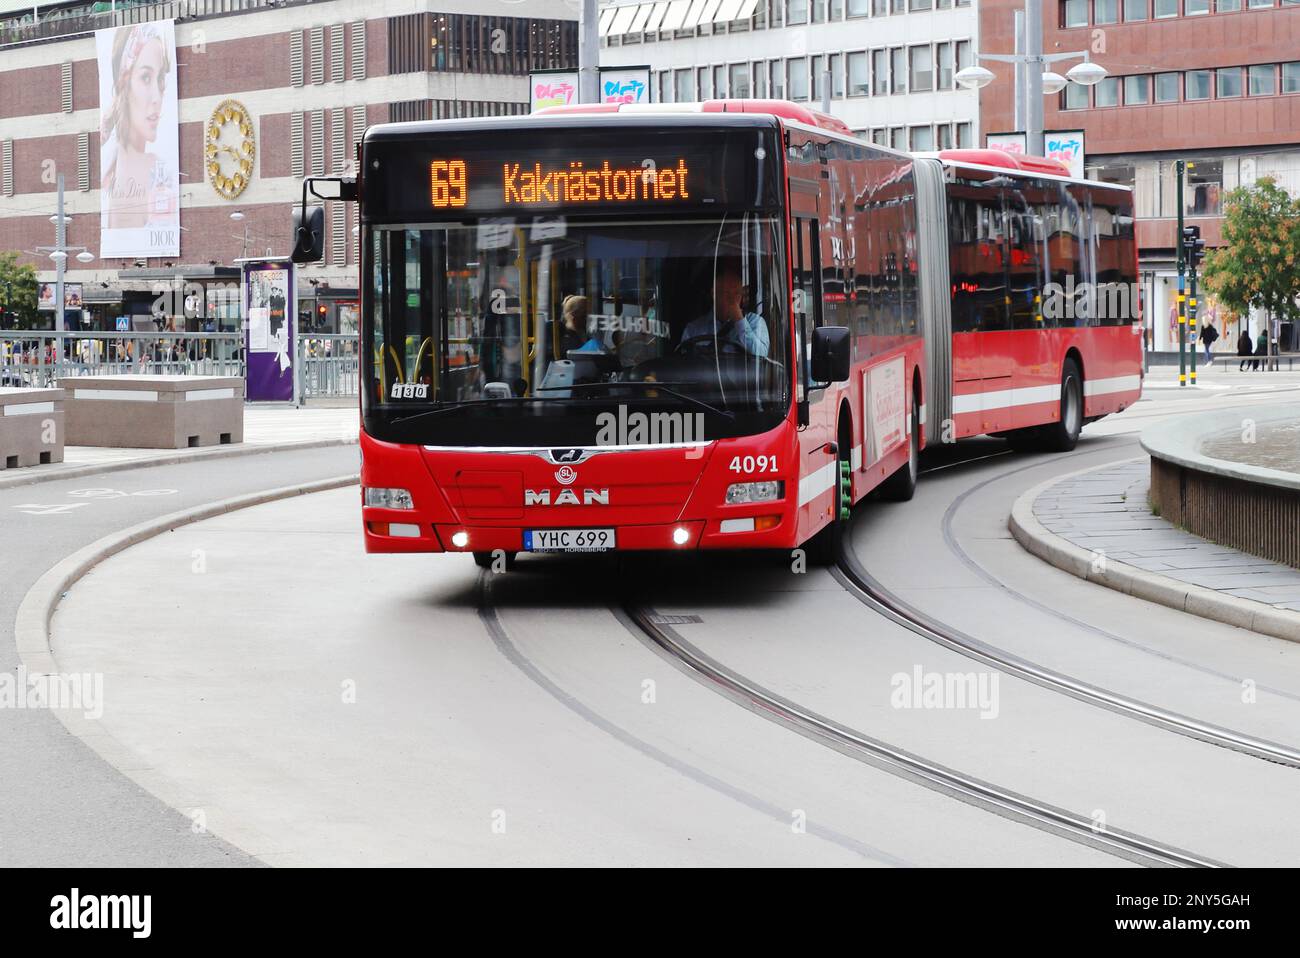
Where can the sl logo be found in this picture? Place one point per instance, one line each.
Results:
(565, 475)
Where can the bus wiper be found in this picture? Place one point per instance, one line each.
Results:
(461, 404)
(652, 384)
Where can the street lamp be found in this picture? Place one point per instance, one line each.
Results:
(1038, 81)
(238, 216)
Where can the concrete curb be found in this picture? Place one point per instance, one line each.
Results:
(32, 637)
(1035, 538)
(168, 459)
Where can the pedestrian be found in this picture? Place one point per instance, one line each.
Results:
(1244, 348)
(1261, 349)
(1209, 336)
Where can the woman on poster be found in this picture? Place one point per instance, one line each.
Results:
(142, 189)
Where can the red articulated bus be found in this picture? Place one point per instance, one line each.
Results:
(708, 327)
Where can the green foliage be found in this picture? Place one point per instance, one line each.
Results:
(18, 290)
(1259, 264)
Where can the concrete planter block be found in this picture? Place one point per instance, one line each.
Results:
(31, 427)
(154, 412)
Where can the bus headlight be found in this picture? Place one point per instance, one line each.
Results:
(389, 499)
(739, 493)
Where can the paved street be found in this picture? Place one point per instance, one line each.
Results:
(309, 704)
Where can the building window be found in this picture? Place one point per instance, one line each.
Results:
(796, 11)
(683, 91)
(859, 8)
(859, 81)
(1107, 92)
(1227, 6)
(1166, 87)
(922, 138)
(837, 75)
(1074, 13)
(1105, 11)
(963, 136)
(1195, 8)
(837, 9)
(739, 80)
(1260, 4)
(1135, 10)
(920, 5)
(1203, 195)
(1291, 77)
(1229, 81)
(818, 11)
(1196, 85)
(963, 54)
(703, 76)
(759, 73)
(1166, 8)
(818, 77)
(880, 69)
(943, 66)
(899, 6)
(898, 68)
(1262, 82)
(798, 78)
(944, 137)
(1137, 90)
(879, 8)
(898, 137)
(720, 82)
(1076, 97)
(776, 73)
(922, 69)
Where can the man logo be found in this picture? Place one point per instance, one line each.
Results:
(566, 455)
(565, 475)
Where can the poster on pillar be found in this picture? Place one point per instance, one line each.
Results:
(625, 85)
(548, 88)
(270, 320)
(139, 192)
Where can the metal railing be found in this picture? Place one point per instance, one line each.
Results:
(329, 363)
(18, 27)
(42, 358)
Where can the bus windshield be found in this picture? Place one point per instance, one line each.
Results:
(554, 318)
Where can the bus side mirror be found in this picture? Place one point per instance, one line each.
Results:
(308, 234)
(831, 357)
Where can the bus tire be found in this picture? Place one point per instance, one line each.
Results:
(823, 549)
(901, 486)
(1063, 435)
(484, 560)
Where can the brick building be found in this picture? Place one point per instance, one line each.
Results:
(1213, 82)
(311, 76)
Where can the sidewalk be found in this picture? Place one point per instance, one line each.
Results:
(1098, 526)
(265, 428)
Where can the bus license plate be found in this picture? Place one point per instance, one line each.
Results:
(568, 540)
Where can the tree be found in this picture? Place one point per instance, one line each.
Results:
(17, 292)
(1259, 264)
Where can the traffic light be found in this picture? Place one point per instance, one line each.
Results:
(1193, 246)
(321, 310)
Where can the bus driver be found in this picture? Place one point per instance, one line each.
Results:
(727, 318)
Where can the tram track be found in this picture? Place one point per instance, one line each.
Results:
(644, 623)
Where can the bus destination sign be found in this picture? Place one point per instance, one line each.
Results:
(596, 182)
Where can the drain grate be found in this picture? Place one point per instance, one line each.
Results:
(658, 619)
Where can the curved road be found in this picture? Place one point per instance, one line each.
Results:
(312, 705)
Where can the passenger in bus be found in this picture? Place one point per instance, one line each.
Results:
(727, 320)
(573, 327)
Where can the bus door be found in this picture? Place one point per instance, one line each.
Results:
(981, 342)
(807, 268)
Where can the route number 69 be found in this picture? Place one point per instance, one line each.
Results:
(752, 464)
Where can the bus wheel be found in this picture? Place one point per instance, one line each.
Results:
(823, 549)
(902, 484)
(1063, 435)
(484, 560)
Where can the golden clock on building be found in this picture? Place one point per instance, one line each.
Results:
(229, 148)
